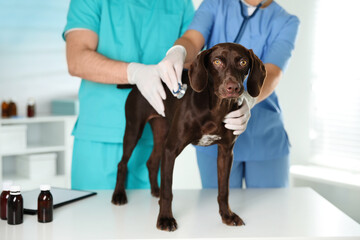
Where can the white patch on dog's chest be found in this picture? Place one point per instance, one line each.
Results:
(207, 140)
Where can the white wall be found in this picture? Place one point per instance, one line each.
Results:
(294, 88)
(294, 93)
(32, 53)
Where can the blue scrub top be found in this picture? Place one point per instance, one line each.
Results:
(271, 34)
(131, 31)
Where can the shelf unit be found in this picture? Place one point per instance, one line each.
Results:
(45, 134)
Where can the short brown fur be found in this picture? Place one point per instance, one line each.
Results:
(200, 112)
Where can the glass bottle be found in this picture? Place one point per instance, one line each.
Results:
(12, 109)
(45, 204)
(4, 197)
(15, 206)
(4, 109)
(31, 107)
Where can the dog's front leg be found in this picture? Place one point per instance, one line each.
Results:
(173, 148)
(166, 221)
(225, 159)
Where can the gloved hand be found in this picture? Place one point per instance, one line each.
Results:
(147, 77)
(147, 80)
(170, 68)
(237, 120)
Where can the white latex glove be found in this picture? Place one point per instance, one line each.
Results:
(170, 68)
(147, 80)
(237, 120)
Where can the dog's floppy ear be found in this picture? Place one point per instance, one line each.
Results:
(257, 75)
(198, 75)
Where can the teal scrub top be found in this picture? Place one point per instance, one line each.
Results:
(271, 34)
(130, 31)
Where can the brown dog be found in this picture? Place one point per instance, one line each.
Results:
(216, 78)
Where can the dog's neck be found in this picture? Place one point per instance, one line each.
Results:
(224, 105)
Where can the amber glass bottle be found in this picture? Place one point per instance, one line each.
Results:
(15, 206)
(31, 107)
(45, 204)
(4, 109)
(12, 109)
(4, 197)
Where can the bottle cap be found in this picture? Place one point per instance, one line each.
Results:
(15, 188)
(31, 101)
(45, 187)
(7, 185)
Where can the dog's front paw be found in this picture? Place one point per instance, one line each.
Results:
(232, 219)
(119, 198)
(166, 224)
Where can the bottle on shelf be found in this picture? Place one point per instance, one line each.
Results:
(12, 109)
(4, 109)
(3, 200)
(31, 110)
(15, 206)
(45, 204)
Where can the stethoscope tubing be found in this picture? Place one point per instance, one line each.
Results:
(246, 20)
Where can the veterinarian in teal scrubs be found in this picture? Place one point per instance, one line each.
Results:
(261, 152)
(102, 37)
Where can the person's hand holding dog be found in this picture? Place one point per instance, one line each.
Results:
(237, 120)
(171, 67)
(147, 80)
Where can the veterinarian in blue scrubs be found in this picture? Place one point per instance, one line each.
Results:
(261, 152)
(102, 38)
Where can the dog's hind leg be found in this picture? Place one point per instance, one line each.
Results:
(135, 123)
(132, 135)
(160, 128)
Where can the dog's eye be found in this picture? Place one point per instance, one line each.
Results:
(217, 62)
(243, 62)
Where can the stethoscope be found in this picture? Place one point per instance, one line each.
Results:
(246, 19)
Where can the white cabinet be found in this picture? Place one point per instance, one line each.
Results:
(43, 135)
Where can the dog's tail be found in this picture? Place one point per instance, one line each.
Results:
(124, 86)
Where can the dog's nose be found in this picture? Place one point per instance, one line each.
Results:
(232, 87)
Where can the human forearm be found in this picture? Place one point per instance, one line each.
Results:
(273, 76)
(84, 62)
(95, 67)
(179, 56)
(193, 41)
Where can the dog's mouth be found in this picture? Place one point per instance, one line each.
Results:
(231, 95)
